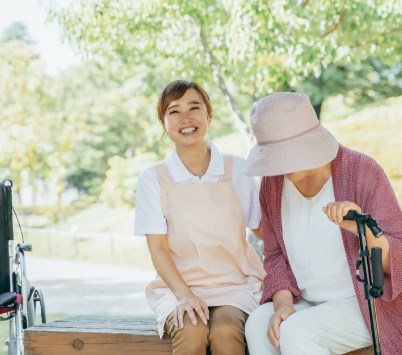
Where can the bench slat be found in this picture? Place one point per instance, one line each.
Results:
(94, 335)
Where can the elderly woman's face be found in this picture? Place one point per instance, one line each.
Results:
(317, 174)
(297, 176)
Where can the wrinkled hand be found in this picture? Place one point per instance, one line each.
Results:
(276, 319)
(189, 304)
(335, 212)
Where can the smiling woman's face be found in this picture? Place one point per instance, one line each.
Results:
(186, 119)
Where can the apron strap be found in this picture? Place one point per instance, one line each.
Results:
(163, 173)
(227, 176)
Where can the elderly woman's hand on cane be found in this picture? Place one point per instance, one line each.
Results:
(335, 212)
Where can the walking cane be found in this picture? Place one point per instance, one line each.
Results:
(373, 280)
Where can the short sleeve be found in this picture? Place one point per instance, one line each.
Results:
(247, 191)
(149, 218)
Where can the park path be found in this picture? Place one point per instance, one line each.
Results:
(75, 288)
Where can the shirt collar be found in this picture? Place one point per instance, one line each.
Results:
(180, 173)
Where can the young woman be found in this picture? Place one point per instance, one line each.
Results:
(312, 303)
(193, 209)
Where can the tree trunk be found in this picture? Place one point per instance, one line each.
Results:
(240, 122)
(317, 108)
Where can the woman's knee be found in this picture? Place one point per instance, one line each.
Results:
(190, 339)
(258, 320)
(294, 335)
(251, 324)
(256, 330)
(290, 330)
(227, 323)
(191, 331)
(227, 338)
(227, 331)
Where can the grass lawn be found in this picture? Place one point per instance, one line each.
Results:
(376, 131)
(130, 251)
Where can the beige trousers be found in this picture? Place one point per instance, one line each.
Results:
(224, 333)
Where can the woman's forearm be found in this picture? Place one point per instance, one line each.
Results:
(282, 298)
(166, 268)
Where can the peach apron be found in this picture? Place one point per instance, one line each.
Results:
(207, 241)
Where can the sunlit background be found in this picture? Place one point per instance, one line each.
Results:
(79, 81)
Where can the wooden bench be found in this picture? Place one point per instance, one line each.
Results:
(94, 335)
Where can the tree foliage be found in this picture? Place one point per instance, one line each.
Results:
(21, 95)
(105, 118)
(122, 178)
(59, 132)
(88, 127)
(248, 47)
(17, 31)
(360, 83)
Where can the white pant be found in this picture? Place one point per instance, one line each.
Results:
(332, 327)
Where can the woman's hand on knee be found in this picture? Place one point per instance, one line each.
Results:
(277, 318)
(192, 305)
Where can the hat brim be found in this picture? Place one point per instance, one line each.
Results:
(309, 151)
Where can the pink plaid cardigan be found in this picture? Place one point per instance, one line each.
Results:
(357, 178)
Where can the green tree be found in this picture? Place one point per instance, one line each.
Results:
(360, 83)
(33, 143)
(122, 178)
(16, 31)
(36, 137)
(248, 48)
(105, 120)
(60, 131)
(21, 79)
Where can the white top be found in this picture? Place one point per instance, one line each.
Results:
(149, 218)
(314, 245)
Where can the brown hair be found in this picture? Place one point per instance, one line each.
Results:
(175, 90)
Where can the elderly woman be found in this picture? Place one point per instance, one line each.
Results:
(312, 302)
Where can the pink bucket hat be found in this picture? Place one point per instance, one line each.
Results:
(289, 136)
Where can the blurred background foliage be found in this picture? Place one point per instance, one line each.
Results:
(93, 128)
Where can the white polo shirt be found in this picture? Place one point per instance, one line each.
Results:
(149, 218)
